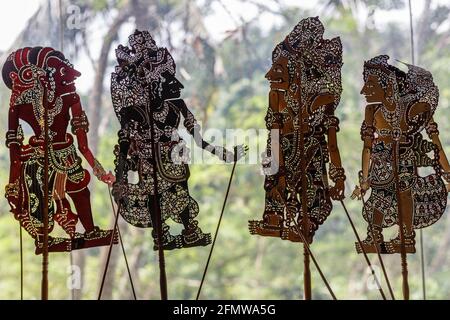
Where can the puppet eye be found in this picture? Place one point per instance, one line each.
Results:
(62, 71)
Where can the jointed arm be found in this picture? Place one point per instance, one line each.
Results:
(433, 133)
(367, 135)
(194, 130)
(276, 175)
(337, 173)
(336, 170)
(80, 127)
(277, 126)
(14, 139)
(122, 155)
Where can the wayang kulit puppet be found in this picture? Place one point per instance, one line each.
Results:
(146, 94)
(305, 89)
(42, 83)
(400, 107)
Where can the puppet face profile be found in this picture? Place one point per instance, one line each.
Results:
(171, 86)
(64, 75)
(278, 74)
(38, 68)
(372, 90)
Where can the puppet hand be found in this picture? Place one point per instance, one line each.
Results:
(108, 178)
(240, 151)
(12, 195)
(13, 203)
(222, 153)
(364, 187)
(356, 194)
(337, 191)
(360, 191)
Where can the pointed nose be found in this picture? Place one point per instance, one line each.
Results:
(76, 73)
(363, 89)
(180, 84)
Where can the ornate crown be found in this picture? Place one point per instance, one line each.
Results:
(143, 60)
(305, 44)
(26, 70)
(420, 87)
(139, 71)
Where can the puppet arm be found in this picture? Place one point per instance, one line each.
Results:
(367, 136)
(14, 140)
(433, 133)
(194, 129)
(337, 173)
(276, 170)
(123, 164)
(80, 127)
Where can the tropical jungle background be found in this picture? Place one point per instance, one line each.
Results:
(223, 49)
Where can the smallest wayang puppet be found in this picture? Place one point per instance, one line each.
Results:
(42, 83)
(146, 93)
(400, 107)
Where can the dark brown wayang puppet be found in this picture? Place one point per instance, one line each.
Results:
(305, 89)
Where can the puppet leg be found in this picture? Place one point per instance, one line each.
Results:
(82, 202)
(192, 234)
(27, 201)
(80, 195)
(407, 207)
(169, 241)
(64, 215)
(93, 236)
(374, 232)
(272, 223)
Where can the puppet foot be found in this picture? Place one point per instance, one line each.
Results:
(374, 239)
(291, 234)
(394, 246)
(68, 222)
(98, 233)
(54, 245)
(201, 241)
(169, 242)
(270, 226)
(94, 238)
(194, 237)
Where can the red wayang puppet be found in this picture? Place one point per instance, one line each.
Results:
(43, 78)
